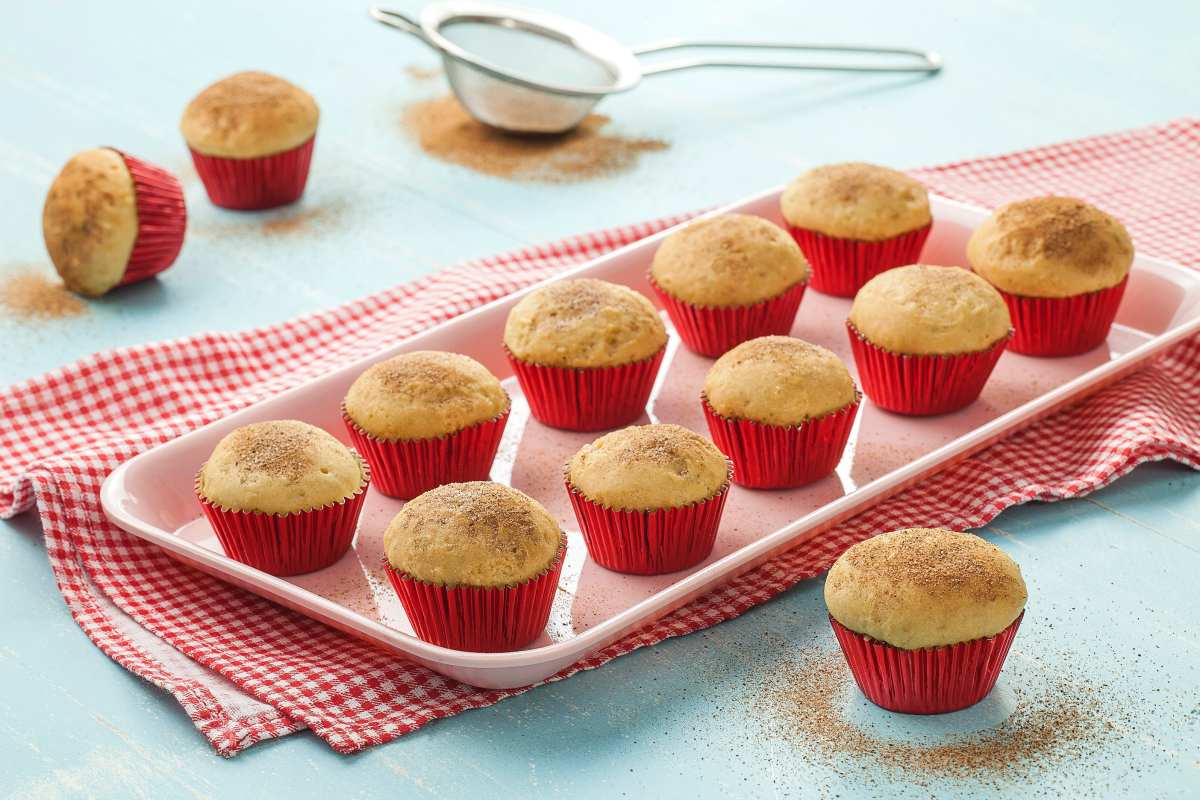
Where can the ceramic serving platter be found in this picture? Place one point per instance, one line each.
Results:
(151, 495)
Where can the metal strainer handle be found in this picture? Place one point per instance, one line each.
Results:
(914, 60)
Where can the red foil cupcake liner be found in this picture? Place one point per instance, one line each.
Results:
(932, 680)
(712, 331)
(479, 619)
(587, 399)
(288, 544)
(840, 267)
(781, 456)
(405, 468)
(922, 385)
(649, 542)
(248, 184)
(161, 216)
(1062, 326)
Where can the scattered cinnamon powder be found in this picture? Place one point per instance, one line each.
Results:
(1060, 722)
(301, 221)
(445, 131)
(32, 295)
(418, 73)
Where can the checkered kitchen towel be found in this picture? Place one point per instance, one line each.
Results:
(246, 670)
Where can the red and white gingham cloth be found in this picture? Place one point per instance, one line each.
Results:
(245, 669)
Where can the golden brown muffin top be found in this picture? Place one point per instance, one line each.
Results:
(424, 394)
(922, 310)
(248, 115)
(90, 221)
(584, 323)
(925, 587)
(648, 467)
(280, 467)
(778, 380)
(473, 534)
(1051, 247)
(856, 201)
(728, 260)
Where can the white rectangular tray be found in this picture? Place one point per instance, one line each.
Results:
(151, 494)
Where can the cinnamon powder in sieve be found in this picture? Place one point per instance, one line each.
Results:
(29, 294)
(447, 132)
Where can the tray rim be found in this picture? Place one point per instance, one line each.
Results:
(671, 597)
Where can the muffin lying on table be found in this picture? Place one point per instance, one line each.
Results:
(854, 220)
(925, 617)
(649, 498)
(111, 219)
(1061, 265)
(426, 418)
(781, 409)
(585, 353)
(476, 565)
(927, 338)
(283, 496)
(729, 278)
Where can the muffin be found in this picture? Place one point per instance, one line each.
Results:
(925, 617)
(111, 219)
(648, 498)
(585, 353)
(781, 409)
(283, 496)
(251, 136)
(1061, 266)
(926, 338)
(727, 279)
(853, 221)
(476, 565)
(426, 418)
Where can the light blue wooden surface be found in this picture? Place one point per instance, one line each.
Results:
(1113, 598)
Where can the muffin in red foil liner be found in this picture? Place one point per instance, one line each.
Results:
(248, 184)
(162, 219)
(479, 619)
(587, 398)
(932, 680)
(405, 468)
(649, 542)
(840, 266)
(713, 330)
(781, 456)
(922, 385)
(288, 544)
(1062, 326)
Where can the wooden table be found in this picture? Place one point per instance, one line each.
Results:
(1113, 598)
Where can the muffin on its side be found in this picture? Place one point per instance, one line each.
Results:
(476, 565)
(781, 409)
(925, 617)
(1061, 265)
(854, 221)
(649, 498)
(283, 496)
(585, 352)
(729, 278)
(926, 338)
(111, 219)
(251, 137)
(426, 418)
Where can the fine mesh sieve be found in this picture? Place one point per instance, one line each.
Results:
(532, 72)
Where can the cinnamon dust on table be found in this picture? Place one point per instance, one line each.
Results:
(30, 294)
(1061, 722)
(419, 73)
(444, 130)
